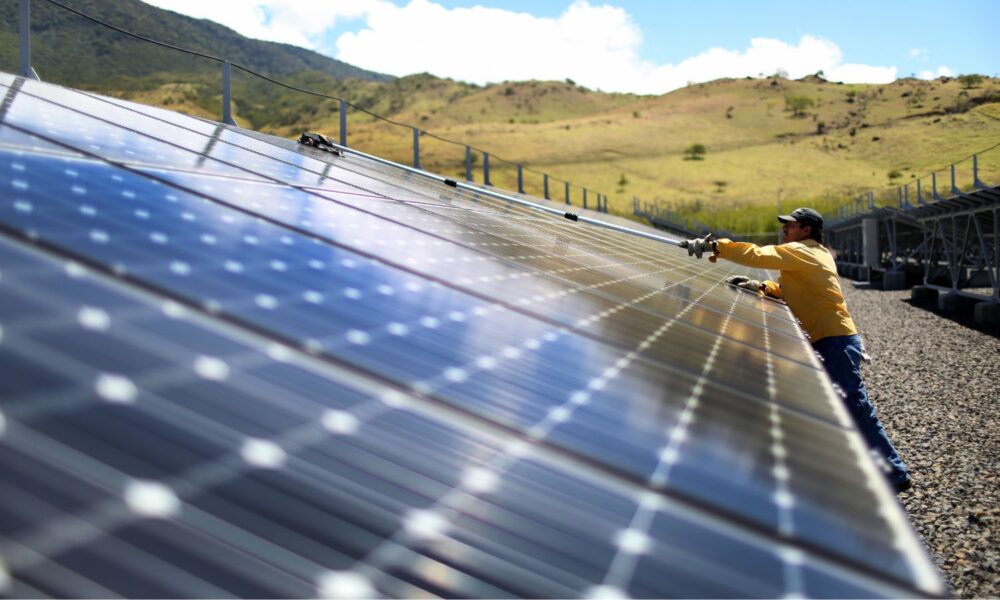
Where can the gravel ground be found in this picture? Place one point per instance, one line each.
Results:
(936, 385)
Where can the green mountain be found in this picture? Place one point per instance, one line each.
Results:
(72, 50)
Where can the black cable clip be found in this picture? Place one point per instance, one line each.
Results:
(319, 141)
(572, 217)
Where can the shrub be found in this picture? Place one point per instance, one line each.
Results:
(798, 104)
(970, 81)
(695, 152)
(894, 174)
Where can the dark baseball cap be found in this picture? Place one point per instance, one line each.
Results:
(803, 216)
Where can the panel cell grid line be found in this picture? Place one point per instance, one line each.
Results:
(471, 399)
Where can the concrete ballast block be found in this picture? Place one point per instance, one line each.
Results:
(987, 315)
(894, 280)
(924, 296)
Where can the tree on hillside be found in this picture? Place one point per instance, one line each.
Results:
(970, 81)
(622, 182)
(695, 152)
(798, 104)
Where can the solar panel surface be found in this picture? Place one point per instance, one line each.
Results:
(242, 368)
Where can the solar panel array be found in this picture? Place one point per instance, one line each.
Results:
(236, 367)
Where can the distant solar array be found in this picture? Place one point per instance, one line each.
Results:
(234, 367)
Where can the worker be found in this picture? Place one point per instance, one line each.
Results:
(811, 288)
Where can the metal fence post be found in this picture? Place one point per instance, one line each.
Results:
(227, 96)
(343, 123)
(585, 197)
(975, 174)
(920, 195)
(486, 169)
(545, 185)
(568, 203)
(25, 30)
(416, 148)
(520, 179)
(468, 163)
(934, 193)
(954, 188)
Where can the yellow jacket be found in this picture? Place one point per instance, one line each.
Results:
(808, 282)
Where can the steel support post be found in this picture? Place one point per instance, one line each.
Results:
(416, 148)
(24, 26)
(928, 242)
(468, 163)
(227, 96)
(954, 257)
(979, 185)
(585, 197)
(520, 179)
(954, 188)
(545, 185)
(920, 195)
(996, 254)
(343, 123)
(934, 193)
(990, 265)
(486, 169)
(568, 203)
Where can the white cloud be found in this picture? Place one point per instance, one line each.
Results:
(298, 22)
(920, 53)
(941, 71)
(597, 46)
(851, 73)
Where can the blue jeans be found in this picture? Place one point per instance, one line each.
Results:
(842, 359)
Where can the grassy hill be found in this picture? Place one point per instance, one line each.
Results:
(848, 142)
(855, 138)
(841, 141)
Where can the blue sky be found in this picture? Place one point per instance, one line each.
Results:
(642, 46)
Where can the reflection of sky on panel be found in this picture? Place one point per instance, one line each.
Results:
(412, 358)
(115, 143)
(428, 254)
(239, 156)
(626, 327)
(11, 138)
(160, 234)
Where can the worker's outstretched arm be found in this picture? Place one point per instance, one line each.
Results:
(786, 257)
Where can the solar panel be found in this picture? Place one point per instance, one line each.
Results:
(240, 368)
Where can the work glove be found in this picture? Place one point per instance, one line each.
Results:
(699, 246)
(744, 282)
